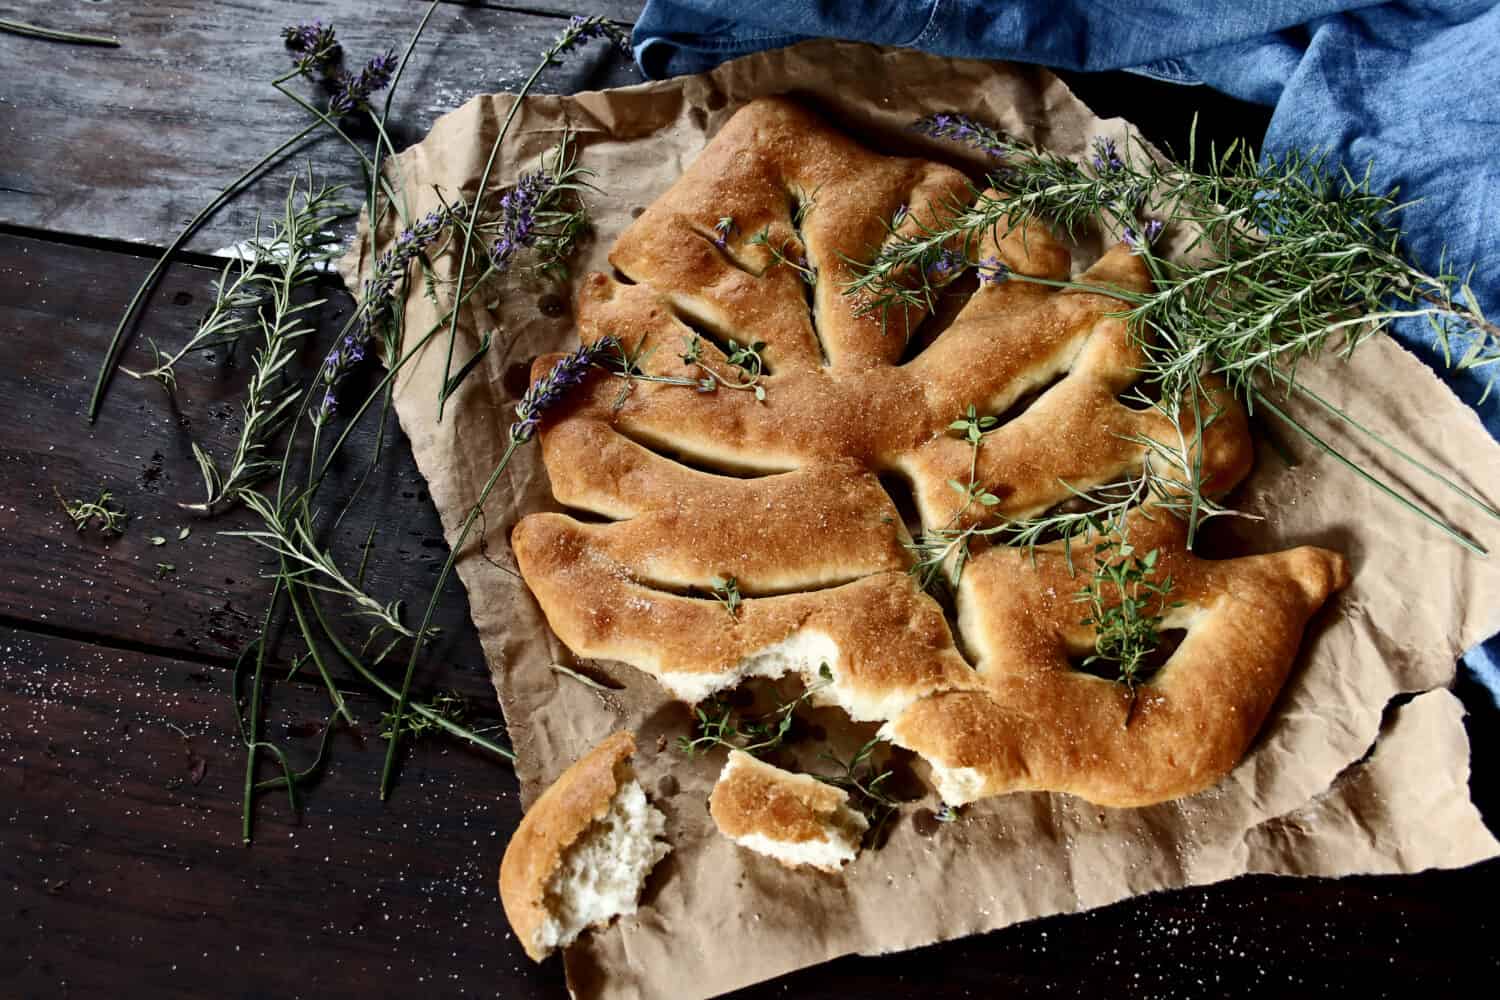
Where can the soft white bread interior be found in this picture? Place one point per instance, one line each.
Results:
(582, 852)
(793, 818)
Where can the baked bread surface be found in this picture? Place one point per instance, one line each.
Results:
(794, 818)
(560, 822)
(784, 494)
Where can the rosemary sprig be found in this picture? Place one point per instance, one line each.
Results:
(109, 519)
(300, 243)
(449, 705)
(238, 292)
(1291, 260)
(1169, 480)
(288, 533)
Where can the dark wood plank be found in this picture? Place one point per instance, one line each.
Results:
(129, 143)
(56, 322)
(120, 875)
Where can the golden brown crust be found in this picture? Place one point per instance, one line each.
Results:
(1040, 724)
(815, 545)
(768, 158)
(755, 799)
(556, 820)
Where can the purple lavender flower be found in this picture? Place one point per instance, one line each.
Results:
(313, 46)
(581, 30)
(947, 265)
(1106, 157)
(380, 289)
(549, 390)
(1141, 242)
(353, 91)
(518, 209)
(723, 229)
(992, 271)
(962, 128)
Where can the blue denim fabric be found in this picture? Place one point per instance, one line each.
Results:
(1412, 88)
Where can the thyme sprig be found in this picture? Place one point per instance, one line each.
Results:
(628, 364)
(727, 592)
(300, 243)
(717, 724)
(747, 359)
(796, 261)
(1127, 601)
(109, 519)
(866, 785)
(947, 549)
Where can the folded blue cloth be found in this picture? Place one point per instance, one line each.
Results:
(1413, 88)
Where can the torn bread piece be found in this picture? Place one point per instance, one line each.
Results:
(582, 852)
(794, 818)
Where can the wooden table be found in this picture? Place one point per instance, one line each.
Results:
(121, 866)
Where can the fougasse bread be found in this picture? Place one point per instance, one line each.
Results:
(785, 490)
(582, 852)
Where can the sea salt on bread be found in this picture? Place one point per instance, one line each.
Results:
(582, 852)
(793, 818)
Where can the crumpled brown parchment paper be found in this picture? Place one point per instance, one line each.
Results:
(1336, 784)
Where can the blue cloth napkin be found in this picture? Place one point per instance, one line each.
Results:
(1413, 88)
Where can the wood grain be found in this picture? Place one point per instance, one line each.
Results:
(55, 324)
(121, 875)
(129, 143)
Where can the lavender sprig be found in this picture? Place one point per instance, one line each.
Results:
(581, 30)
(723, 229)
(378, 306)
(578, 31)
(547, 391)
(992, 271)
(542, 213)
(354, 90)
(518, 211)
(314, 47)
(1140, 242)
(962, 128)
(1106, 159)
